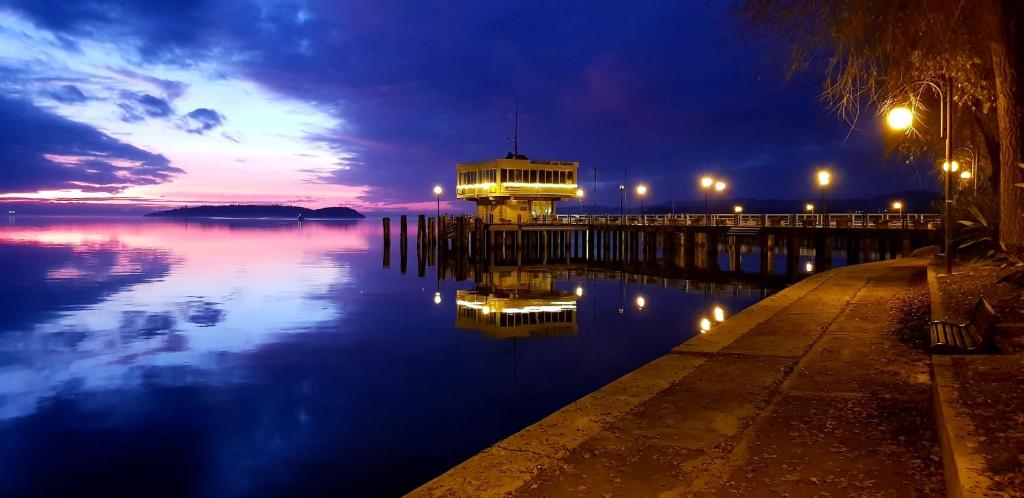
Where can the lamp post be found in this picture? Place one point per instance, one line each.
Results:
(899, 206)
(641, 191)
(437, 192)
(622, 203)
(824, 177)
(706, 183)
(973, 174)
(593, 209)
(966, 175)
(902, 118)
(579, 195)
(738, 210)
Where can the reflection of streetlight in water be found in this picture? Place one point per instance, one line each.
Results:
(437, 298)
(579, 291)
(717, 314)
(809, 267)
(640, 302)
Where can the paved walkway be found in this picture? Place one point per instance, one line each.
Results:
(811, 392)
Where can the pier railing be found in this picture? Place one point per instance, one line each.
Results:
(928, 221)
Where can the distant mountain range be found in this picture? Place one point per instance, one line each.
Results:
(914, 201)
(260, 211)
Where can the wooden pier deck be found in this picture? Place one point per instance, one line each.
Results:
(670, 244)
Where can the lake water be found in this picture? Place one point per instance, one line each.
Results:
(149, 358)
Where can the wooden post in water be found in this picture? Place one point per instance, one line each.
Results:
(766, 253)
(792, 255)
(852, 249)
(822, 251)
(387, 241)
(735, 263)
(403, 243)
(421, 231)
(689, 248)
(712, 250)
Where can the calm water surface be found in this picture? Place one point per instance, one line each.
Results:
(156, 358)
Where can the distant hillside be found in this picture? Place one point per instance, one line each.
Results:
(258, 211)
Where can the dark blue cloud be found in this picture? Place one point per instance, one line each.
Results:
(663, 90)
(68, 94)
(201, 121)
(138, 107)
(40, 150)
(154, 107)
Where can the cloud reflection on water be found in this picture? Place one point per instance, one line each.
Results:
(115, 296)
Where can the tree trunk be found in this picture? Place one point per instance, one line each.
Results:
(1011, 196)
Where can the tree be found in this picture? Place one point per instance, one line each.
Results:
(869, 50)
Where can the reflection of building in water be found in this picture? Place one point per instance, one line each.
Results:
(516, 189)
(510, 304)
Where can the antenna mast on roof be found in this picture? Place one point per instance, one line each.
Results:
(515, 131)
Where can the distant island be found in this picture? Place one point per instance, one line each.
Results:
(260, 211)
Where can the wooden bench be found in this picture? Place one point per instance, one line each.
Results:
(971, 337)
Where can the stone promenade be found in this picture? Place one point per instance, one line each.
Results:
(814, 391)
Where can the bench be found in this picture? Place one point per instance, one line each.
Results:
(971, 337)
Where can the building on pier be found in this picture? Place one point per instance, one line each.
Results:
(516, 189)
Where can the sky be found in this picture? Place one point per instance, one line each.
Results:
(370, 104)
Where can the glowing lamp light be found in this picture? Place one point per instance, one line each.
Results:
(824, 177)
(579, 193)
(579, 291)
(719, 314)
(437, 298)
(486, 310)
(809, 267)
(737, 209)
(641, 189)
(965, 175)
(705, 325)
(438, 190)
(956, 166)
(897, 205)
(900, 118)
(707, 181)
(809, 208)
(641, 302)
(719, 186)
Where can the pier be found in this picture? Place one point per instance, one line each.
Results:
(671, 245)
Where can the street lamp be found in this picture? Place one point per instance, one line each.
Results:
(824, 178)
(641, 191)
(902, 118)
(739, 212)
(706, 184)
(974, 164)
(579, 195)
(809, 208)
(899, 206)
(437, 191)
(622, 203)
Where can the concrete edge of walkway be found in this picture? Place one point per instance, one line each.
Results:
(962, 466)
(512, 462)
